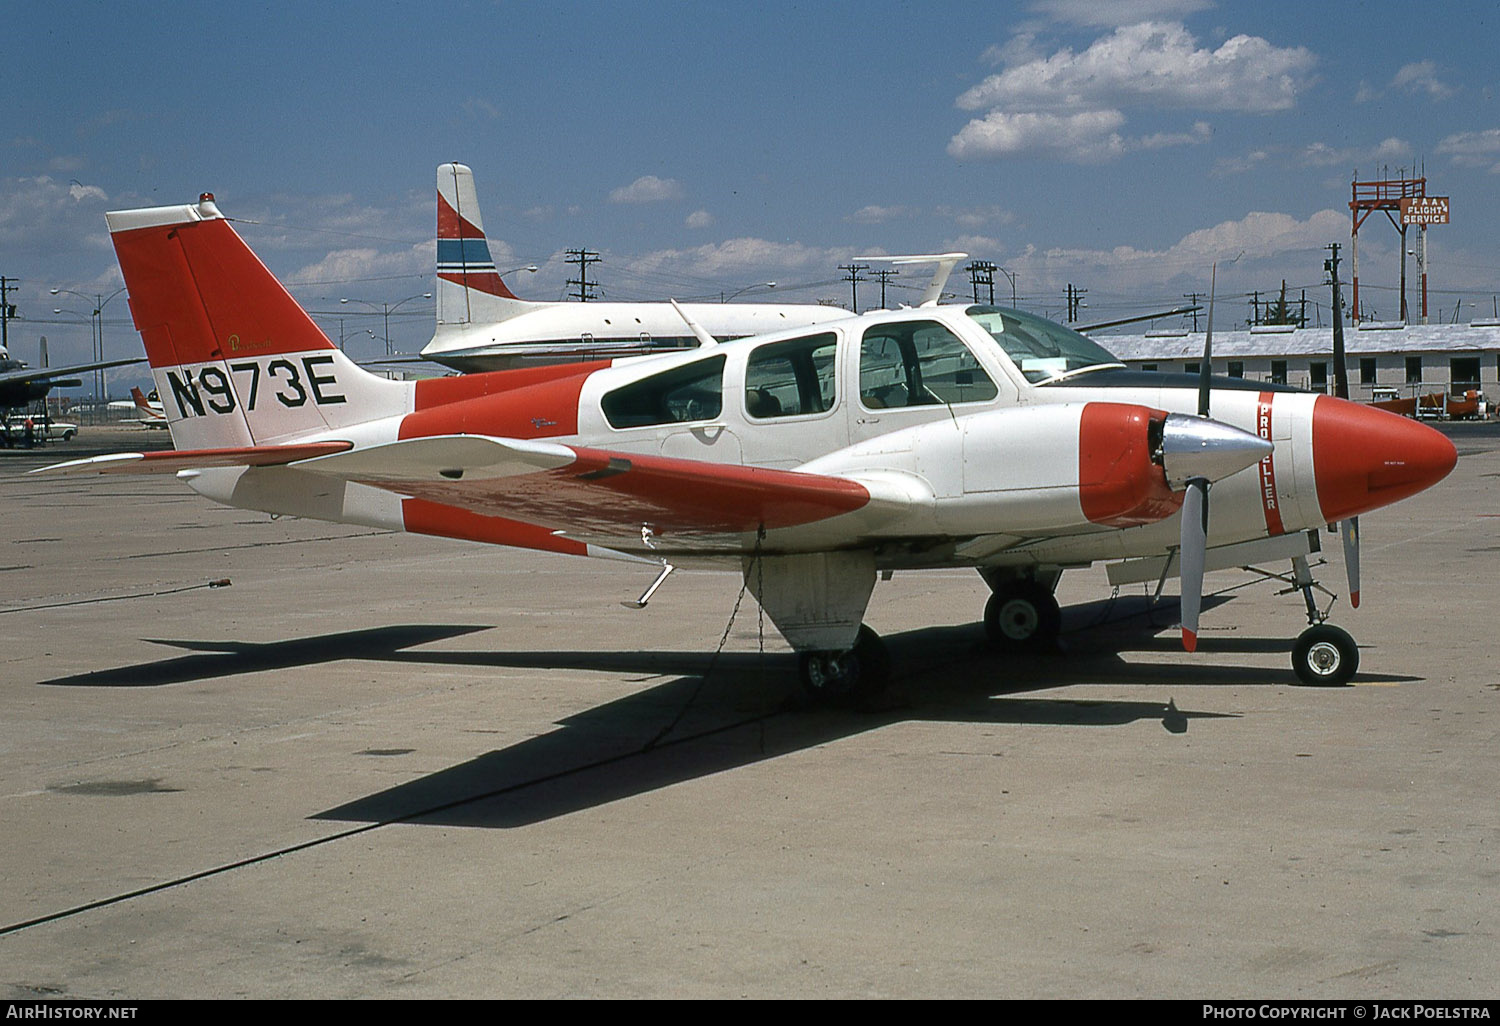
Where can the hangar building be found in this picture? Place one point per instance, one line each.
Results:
(1414, 359)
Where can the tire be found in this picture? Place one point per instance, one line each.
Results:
(1022, 616)
(1325, 656)
(858, 675)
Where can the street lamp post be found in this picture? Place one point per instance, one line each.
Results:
(1012, 278)
(747, 288)
(386, 309)
(96, 330)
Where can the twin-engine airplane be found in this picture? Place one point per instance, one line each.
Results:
(812, 460)
(482, 325)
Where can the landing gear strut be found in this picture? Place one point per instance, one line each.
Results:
(1324, 654)
(857, 675)
(1022, 616)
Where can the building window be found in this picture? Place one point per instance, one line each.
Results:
(1317, 373)
(1148, 367)
(1413, 370)
(1367, 370)
(1463, 372)
(1236, 368)
(1194, 368)
(1278, 372)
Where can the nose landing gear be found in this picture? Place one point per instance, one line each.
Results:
(1324, 655)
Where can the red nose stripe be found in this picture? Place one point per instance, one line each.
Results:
(1364, 458)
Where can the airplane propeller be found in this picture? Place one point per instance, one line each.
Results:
(1193, 545)
(1348, 528)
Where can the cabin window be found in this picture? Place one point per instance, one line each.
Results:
(1367, 370)
(1413, 370)
(790, 379)
(919, 363)
(1278, 372)
(687, 393)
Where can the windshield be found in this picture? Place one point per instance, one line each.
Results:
(1043, 350)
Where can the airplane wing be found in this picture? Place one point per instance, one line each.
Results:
(25, 374)
(596, 494)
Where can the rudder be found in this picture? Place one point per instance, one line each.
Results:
(236, 360)
(469, 289)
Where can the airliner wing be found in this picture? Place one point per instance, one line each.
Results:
(25, 374)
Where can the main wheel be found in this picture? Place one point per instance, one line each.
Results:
(1325, 655)
(1022, 616)
(853, 676)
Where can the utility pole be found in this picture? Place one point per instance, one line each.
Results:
(583, 257)
(853, 278)
(7, 311)
(885, 274)
(1192, 297)
(982, 272)
(1075, 301)
(1340, 372)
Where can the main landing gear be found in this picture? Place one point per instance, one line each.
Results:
(1324, 655)
(858, 675)
(1022, 614)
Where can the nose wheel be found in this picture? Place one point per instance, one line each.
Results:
(1325, 656)
(857, 675)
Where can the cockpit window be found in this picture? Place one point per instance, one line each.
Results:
(919, 363)
(692, 392)
(1042, 349)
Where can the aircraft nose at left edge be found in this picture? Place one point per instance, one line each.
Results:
(1364, 458)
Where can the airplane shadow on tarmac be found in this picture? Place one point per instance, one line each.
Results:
(745, 709)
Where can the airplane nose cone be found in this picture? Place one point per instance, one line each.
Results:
(1364, 458)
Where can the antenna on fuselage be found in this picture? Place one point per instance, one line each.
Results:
(705, 340)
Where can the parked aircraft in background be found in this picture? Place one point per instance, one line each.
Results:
(482, 325)
(20, 385)
(813, 460)
(149, 407)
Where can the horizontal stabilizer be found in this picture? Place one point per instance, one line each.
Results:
(170, 462)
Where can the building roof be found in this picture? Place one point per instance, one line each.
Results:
(1369, 339)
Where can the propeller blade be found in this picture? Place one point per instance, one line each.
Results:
(1349, 531)
(1204, 384)
(1190, 557)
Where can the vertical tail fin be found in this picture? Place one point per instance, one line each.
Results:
(236, 361)
(469, 289)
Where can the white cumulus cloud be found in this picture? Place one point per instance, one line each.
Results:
(1070, 105)
(647, 189)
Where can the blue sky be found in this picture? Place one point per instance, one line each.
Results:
(703, 147)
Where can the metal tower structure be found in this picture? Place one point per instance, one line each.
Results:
(1404, 202)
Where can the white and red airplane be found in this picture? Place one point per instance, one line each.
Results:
(149, 407)
(482, 325)
(813, 460)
